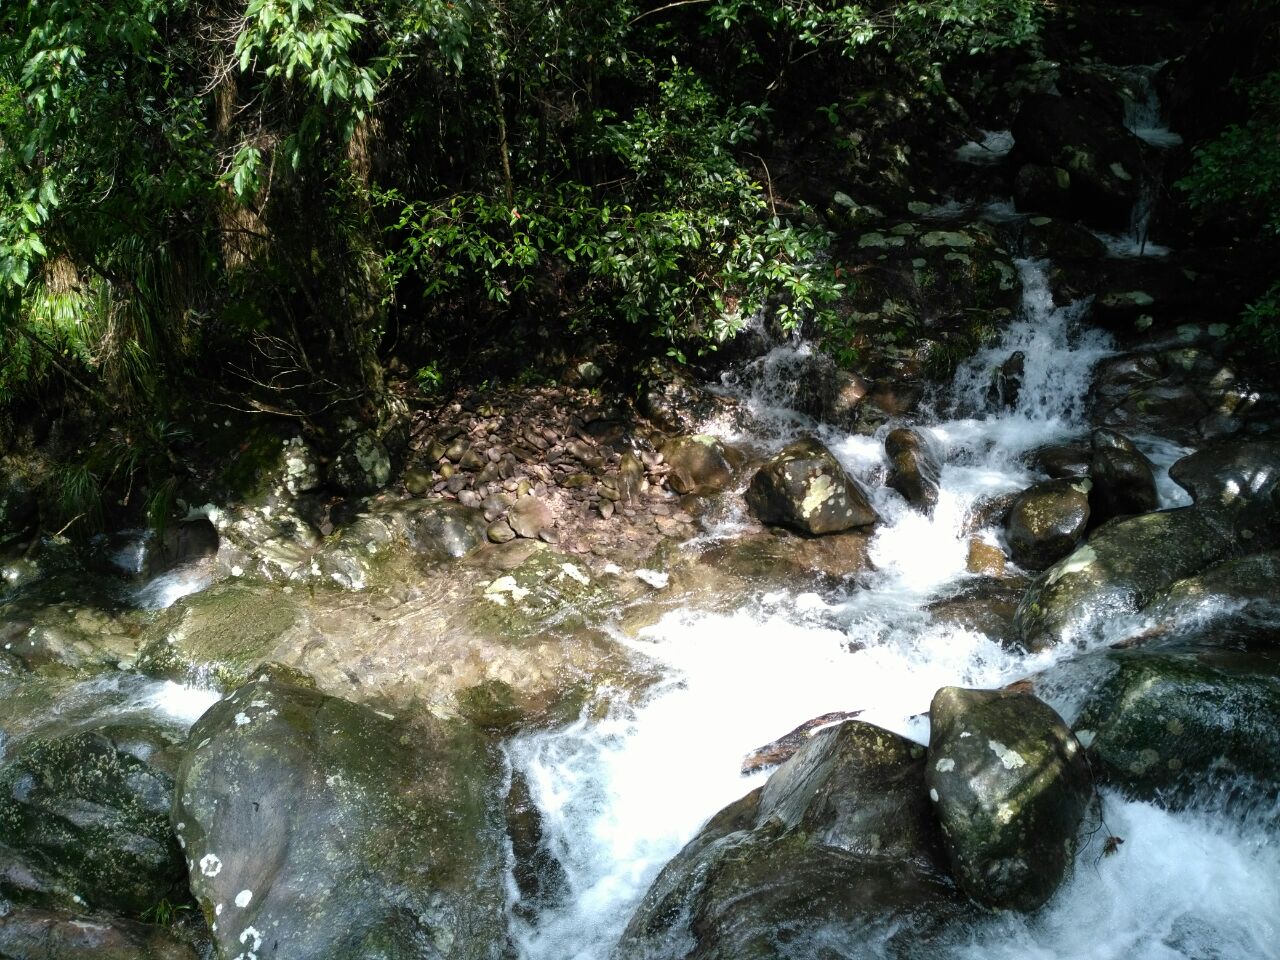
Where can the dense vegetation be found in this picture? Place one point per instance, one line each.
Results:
(280, 191)
(268, 204)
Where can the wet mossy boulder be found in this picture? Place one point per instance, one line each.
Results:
(805, 488)
(1177, 726)
(1235, 602)
(1124, 482)
(1122, 567)
(318, 828)
(1047, 522)
(43, 934)
(915, 469)
(840, 842)
(1238, 477)
(1063, 460)
(93, 820)
(1010, 787)
(699, 464)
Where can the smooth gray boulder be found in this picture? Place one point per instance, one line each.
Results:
(318, 828)
(805, 488)
(1010, 787)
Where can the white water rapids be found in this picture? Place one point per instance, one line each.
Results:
(621, 795)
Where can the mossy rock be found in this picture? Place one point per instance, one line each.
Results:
(1175, 726)
(839, 842)
(336, 831)
(93, 818)
(220, 635)
(44, 934)
(1010, 787)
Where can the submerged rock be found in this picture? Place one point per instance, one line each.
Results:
(1047, 522)
(914, 468)
(839, 842)
(1174, 726)
(1123, 480)
(804, 487)
(1010, 787)
(93, 821)
(318, 828)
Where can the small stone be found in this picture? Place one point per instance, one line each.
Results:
(500, 532)
(606, 508)
(985, 559)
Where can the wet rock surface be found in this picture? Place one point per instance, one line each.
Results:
(1010, 787)
(840, 839)
(1047, 521)
(315, 827)
(914, 468)
(35, 934)
(1182, 726)
(1123, 480)
(805, 488)
(91, 822)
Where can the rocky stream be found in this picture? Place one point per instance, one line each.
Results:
(788, 664)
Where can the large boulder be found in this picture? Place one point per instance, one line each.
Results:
(805, 488)
(1175, 726)
(840, 841)
(38, 934)
(326, 830)
(1010, 787)
(914, 467)
(1123, 480)
(93, 821)
(699, 465)
(1233, 602)
(1123, 566)
(1239, 476)
(1047, 522)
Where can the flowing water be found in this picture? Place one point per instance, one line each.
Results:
(621, 793)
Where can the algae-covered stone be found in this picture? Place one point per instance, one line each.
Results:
(363, 465)
(840, 842)
(1123, 566)
(43, 934)
(1047, 522)
(94, 820)
(1010, 786)
(318, 828)
(804, 487)
(1166, 726)
(1234, 601)
(222, 634)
